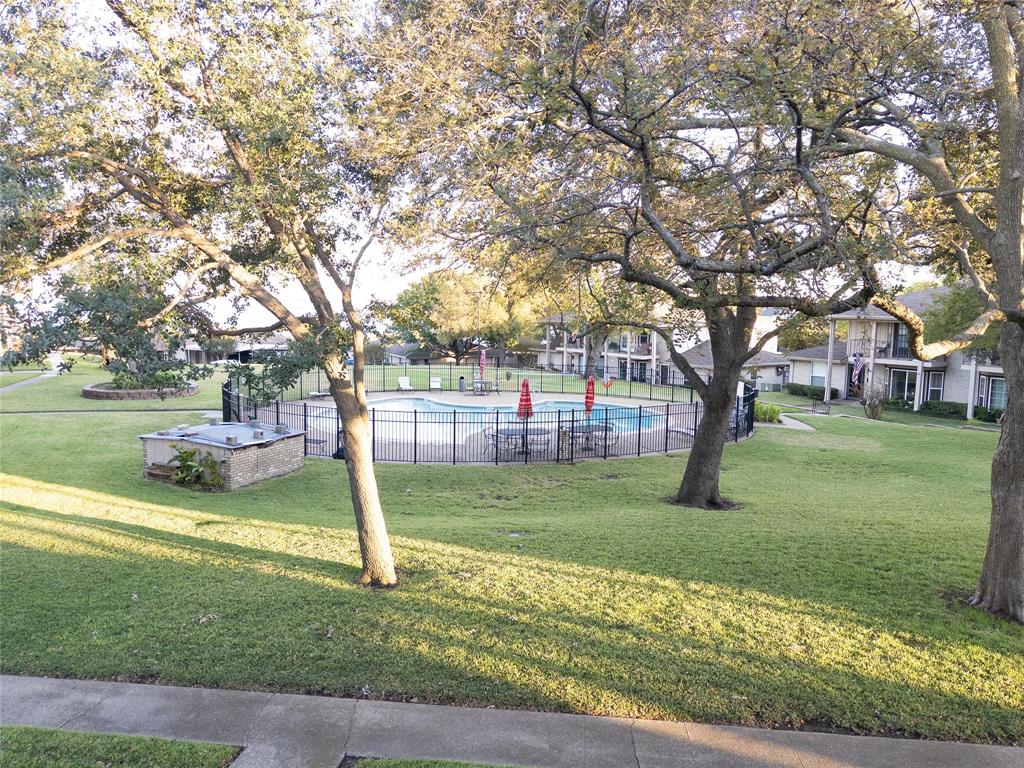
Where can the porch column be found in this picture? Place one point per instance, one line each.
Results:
(629, 355)
(871, 364)
(919, 389)
(654, 355)
(831, 359)
(972, 388)
(583, 365)
(547, 346)
(565, 350)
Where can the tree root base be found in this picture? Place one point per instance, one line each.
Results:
(715, 503)
(375, 582)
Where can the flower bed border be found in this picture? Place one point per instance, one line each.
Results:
(104, 391)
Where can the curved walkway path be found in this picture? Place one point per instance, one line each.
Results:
(55, 361)
(279, 730)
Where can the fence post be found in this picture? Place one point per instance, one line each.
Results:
(455, 419)
(606, 435)
(277, 411)
(225, 401)
(337, 432)
(497, 440)
(558, 439)
(736, 426)
(305, 426)
(639, 424)
(415, 440)
(572, 435)
(667, 406)
(373, 434)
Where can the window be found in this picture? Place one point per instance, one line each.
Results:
(997, 393)
(935, 381)
(622, 369)
(902, 384)
(665, 378)
(818, 369)
(643, 338)
(900, 345)
(624, 342)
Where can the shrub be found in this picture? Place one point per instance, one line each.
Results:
(767, 412)
(991, 415)
(195, 471)
(874, 401)
(806, 390)
(898, 404)
(945, 408)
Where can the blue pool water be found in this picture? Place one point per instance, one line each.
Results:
(546, 412)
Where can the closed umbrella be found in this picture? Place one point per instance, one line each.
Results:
(588, 398)
(483, 362)
(525, 409)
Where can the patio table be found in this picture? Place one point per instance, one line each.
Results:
(587, 432)
(522, 432)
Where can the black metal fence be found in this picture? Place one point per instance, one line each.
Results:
(443, 434)
(668, 386)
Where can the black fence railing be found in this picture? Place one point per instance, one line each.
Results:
(440, 433)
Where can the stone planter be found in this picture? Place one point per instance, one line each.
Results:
(106, 391)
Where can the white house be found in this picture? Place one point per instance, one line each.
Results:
(879, 342)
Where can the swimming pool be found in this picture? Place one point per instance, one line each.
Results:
(621, 418)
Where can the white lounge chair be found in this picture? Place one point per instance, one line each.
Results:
(435, 383)
(403, 384)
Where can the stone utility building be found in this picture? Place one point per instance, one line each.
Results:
(879, 341)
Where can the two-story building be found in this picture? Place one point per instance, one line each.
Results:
(877, 349)
(640, 354)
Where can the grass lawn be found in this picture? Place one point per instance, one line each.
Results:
(12, 377)
(894, 417)
(64, 393)
(832, 599)
(22, 747)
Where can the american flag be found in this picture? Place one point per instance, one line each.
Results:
(858, 366)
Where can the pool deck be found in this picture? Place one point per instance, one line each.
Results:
(502, 398)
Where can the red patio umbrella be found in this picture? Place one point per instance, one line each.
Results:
(525, 409)
(588, 398)
(483, 362)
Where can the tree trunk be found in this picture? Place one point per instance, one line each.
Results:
(1001, 589)
(595, 346)
(378, 564)
(704, 465)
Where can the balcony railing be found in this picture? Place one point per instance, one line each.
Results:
(895, 352)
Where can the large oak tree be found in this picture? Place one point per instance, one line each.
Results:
(219, 136)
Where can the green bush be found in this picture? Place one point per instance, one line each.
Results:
(767, 412)
(898, 404)
(196, 471)
(945, 408)
(991, 415)
(806, 390)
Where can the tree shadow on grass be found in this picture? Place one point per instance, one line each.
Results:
(95, 597)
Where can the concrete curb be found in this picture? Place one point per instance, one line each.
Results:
(289, 731)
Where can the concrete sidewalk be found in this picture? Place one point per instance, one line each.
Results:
(55, 360)
(286, 731)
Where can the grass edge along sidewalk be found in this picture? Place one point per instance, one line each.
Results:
(319, 732)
